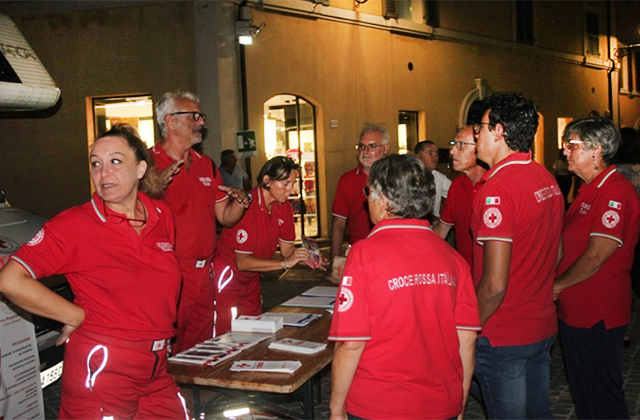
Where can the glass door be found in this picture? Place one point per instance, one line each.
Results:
(289, 130)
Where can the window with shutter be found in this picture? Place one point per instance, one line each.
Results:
(593, 33)
(391, 9)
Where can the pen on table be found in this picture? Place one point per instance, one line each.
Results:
(304, 319)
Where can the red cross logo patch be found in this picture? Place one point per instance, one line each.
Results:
(241, 236)
(610, 219)
(492, 217)
(36, 239)
(345, 300)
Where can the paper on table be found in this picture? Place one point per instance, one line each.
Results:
(311, 302)
(297, 319)
(325, 291)
(265, 366)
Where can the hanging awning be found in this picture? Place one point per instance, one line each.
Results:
(24, 82)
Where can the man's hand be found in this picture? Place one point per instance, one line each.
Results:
(298, 255)
(322, 264)
(237, 194)
(167, 174)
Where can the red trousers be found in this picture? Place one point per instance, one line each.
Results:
(195, 308)
(103, 380)
(234, 297)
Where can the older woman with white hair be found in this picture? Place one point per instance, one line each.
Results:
(406, 319)
(593, 285)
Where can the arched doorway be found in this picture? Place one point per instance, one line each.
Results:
(290, 130)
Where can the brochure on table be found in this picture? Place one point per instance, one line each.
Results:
(20, 390)
(215, 350)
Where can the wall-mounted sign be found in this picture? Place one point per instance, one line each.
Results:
(246, 141)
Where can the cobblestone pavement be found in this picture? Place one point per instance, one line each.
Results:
(276, 291)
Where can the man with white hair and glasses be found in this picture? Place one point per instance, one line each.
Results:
(197, 197)
(456, 212)
(350, 211)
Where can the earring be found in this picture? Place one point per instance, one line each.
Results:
(595, 165)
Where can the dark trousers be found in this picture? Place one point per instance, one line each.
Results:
(594, 358)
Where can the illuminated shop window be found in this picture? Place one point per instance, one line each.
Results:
(290, 130)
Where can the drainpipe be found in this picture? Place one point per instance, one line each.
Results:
(612, 65)
(243, 89)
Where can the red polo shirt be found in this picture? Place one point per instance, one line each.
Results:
(457, 213)
(408, 308)
(192, 195)
(520, 203)
(607, 207)
(127, 283)
(351, 204)
(257, 233)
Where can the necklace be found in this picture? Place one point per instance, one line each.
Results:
(116, 218)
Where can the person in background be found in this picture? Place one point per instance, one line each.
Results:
(563, 176)
(349, 209)
(427, 151)
(593, 286)
(197, 197)
(628, 165)
(232, 174)
(247, 249)
(516, 225)
(116, 251)
(388, 362)
(456, 212)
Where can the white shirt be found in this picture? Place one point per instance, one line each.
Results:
(442, 189)
(235, 179)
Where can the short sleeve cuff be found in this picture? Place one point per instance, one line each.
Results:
(220, 200)
(482, 239)
(469, 327)
(25, 266)
(604, 235)
(354, 338)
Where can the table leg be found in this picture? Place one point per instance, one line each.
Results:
(196, 402)
(309, 412)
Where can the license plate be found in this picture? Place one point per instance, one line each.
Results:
(51, 375)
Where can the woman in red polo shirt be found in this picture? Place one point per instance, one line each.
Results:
(593, 285)
(247, 249)
(117, 254)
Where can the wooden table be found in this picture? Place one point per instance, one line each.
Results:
(219, 376)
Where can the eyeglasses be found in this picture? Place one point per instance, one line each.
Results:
(460, 144)
(117, 219)
(572, 144)
(366, 190)
(360, 147)
(195, 116)
(478, 126)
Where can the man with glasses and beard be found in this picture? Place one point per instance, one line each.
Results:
(350, 211)
(197, 197)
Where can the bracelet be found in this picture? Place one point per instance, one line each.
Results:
(285, 264)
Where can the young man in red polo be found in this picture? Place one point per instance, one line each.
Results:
(516, 225)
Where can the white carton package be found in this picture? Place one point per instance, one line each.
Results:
(262, 324)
